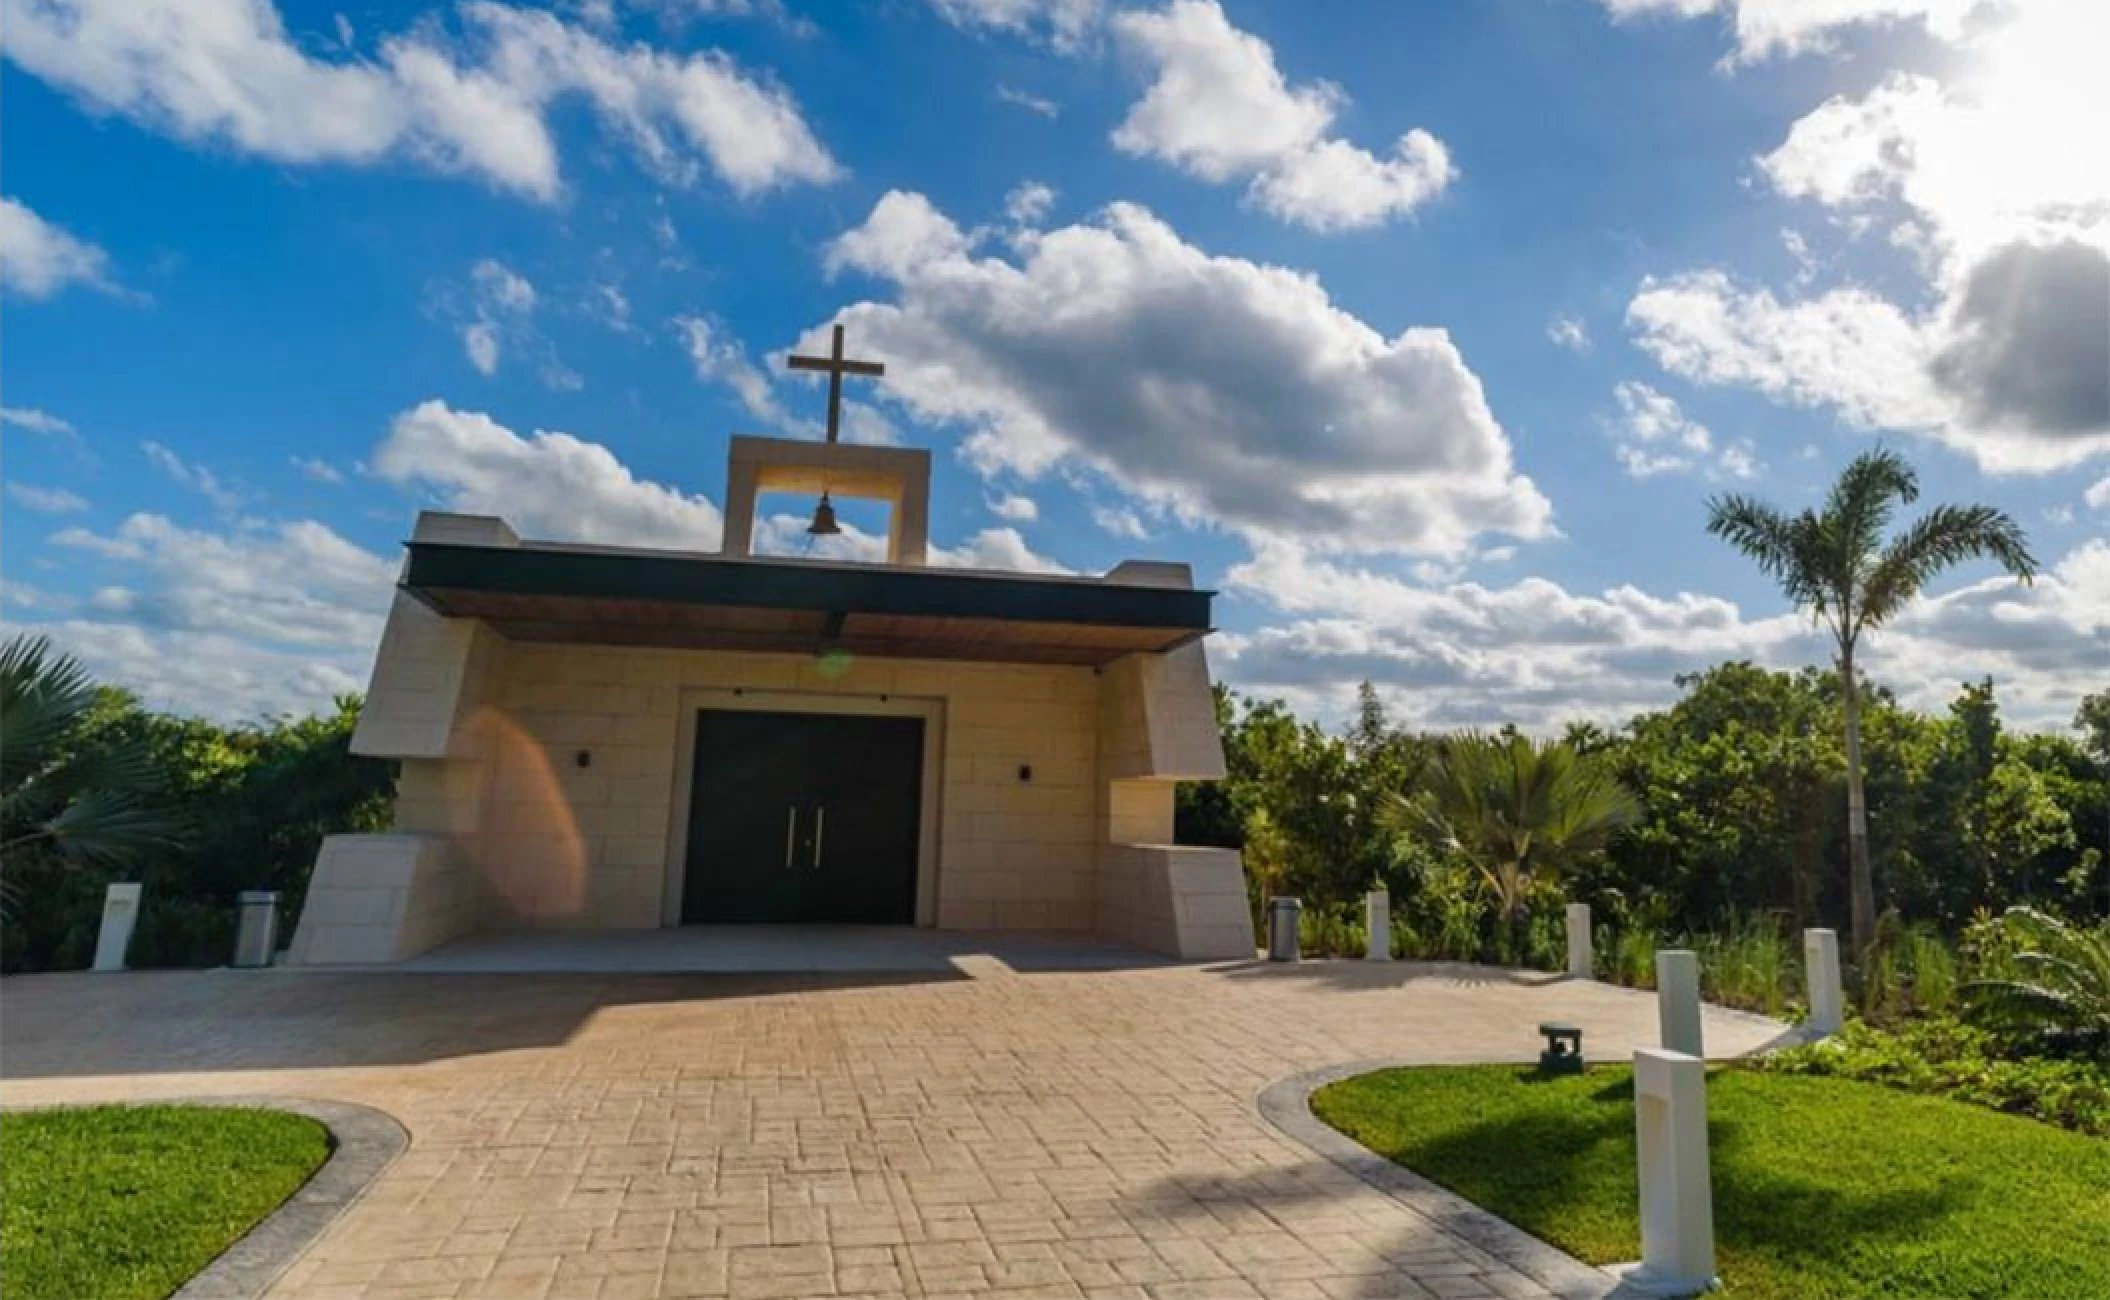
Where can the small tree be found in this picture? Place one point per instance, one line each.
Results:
(1836, 563)
(1516, 810)
(90, 805)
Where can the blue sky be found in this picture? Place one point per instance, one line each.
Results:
(1423, 330)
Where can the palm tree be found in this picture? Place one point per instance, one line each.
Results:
(89, 803)
(1516, 809)
(1836, 563)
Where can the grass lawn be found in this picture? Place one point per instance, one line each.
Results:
(129, 1202)
(1823, 1188)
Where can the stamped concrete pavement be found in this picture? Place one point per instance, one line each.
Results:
(978, 1132)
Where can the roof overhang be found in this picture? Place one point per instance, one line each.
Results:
(603, 596)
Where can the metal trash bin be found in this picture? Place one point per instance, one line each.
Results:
(256, 934)
(1282, 938)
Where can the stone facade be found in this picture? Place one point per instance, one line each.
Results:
(545, 785)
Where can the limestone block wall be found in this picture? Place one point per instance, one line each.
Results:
(565, 845)
(1181, 901)
(377, 898)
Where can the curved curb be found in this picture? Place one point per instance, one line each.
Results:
(365, 1140)
(1286, 1104)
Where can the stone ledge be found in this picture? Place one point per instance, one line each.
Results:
(365, 1140)
(1286, 1104)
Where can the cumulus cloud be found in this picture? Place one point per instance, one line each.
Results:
(473, 102)
(547, 485)
(1789, 27)
(1454, 653)
(1227, 392)
(38, 259)
(251, 622)
(1995, 179)
(1218, 108)
(1016, 508)
(1652, 435)
(1028, 202)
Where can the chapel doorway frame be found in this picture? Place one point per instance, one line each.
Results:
(694, 700)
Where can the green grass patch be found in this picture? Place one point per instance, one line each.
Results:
(1822, 1187)
(129, 1202)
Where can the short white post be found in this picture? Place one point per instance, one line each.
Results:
(1377, 922)
(1677, 1198)
(1580, 965)
(1820, 958)
(120, 914)
(1678, 1000)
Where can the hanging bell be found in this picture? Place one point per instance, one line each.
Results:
(824, 524)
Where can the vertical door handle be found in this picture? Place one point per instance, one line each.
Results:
(820, 832)
(791, 832)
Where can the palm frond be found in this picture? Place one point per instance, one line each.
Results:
(1945, 536)
(42, 698)
(1867, 493)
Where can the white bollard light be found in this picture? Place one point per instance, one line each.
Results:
(1377, 923)
(1820, 958)
(1580, 963)
(1678, 1001)
(1677, 1198)
(120, 914)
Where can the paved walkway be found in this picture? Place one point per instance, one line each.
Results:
(1044, 1135)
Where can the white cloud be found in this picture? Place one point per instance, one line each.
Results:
(995, 548)
(992, 548)
(1788, 27)
(1218, 108)
(35, 421)
(1028, 202)
(1995, 179)
(38, 259)
(1226, 392)
(1018, 509)
(1032, 103)
(1569, 332)
(47, 501)
(723, 360)
(547, 485)
(1062, 23)
(2098, 494)
(195, 477)
(499, 288)
(228, 72)
(321, 471)
(241, 624)
(1120, 522)
(480, 344)
(1653, 435)
(500, 319)
(1454, 653)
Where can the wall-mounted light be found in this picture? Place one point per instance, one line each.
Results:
(584, 758)
(1025, 771)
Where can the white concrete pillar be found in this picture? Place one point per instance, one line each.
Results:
(1678, 1000)
(1377, 922)
(1820, 958)
(120, 914)
(1580, 963)
(1677, 1198)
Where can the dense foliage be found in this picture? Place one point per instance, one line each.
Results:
(254, 802)
(1741, 823)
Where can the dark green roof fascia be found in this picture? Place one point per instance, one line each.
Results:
(703, 580)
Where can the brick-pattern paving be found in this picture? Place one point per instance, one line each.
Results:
(1056, 1136)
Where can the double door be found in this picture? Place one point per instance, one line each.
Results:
(803, 818)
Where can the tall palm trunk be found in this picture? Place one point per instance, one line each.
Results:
(1861, 883)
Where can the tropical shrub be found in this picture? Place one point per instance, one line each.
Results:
(2052, 982)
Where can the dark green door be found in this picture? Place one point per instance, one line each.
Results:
(803, 817)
